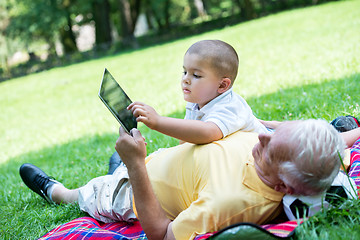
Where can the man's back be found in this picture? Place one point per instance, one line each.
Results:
(208, 187)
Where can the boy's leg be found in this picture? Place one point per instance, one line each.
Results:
(345, 123)
(48, 188)
(114, 162)
(106, 198)
(61, 194)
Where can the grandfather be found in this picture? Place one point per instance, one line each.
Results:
(193, 189)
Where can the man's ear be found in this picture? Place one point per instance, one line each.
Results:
(282, 187)
(224, 85)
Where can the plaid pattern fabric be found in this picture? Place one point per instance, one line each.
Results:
(88, 228)
(282, 229)
(354, 171)
(204, 236)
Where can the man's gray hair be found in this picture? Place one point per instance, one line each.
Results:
(317, 152)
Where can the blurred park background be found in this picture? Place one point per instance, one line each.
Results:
(37, 35)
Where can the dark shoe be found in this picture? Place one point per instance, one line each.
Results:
(345, 123)
(37, 180)
(114, 162)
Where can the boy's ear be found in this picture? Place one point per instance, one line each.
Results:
(224, 85)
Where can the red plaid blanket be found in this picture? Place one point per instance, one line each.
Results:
(88, 228)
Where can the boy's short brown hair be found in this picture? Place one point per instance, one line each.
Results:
(222, 56)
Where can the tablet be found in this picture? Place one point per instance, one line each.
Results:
(116, 100)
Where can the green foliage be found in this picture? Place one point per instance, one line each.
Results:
(294, 65)
(335, 223)
(37, 26)
(34, 20)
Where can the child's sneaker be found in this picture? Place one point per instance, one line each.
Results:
(345, 123)
(37, 180)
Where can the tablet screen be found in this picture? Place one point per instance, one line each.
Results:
(116, 100)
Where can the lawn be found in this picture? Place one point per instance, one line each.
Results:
(298, 64)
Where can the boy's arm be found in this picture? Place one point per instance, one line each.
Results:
(192, 131)
(351, 136)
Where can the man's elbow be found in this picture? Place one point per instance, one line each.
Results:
(160, 233)
(169, 235)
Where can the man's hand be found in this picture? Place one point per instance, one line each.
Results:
(131, 148)
(153, 219)
(145, 114)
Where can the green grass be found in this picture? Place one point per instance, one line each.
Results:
(294, 65)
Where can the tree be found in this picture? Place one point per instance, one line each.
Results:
(129, 13)
(4, 41)
(198, 6)
(67, 35)
(101, 16)
(159, 11)
(246, 9)
(36, 20)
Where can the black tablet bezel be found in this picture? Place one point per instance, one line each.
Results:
(122, 95)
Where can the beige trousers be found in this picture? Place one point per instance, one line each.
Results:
(108, 198)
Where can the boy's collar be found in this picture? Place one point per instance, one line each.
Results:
(212, 102)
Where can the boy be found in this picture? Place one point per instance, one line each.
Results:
(210, 69)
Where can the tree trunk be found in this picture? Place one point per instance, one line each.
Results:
(129, 12)
(67, 36)
(5, 59)
(282, 5)
(167, 14)
(52, 49)
(240, 5)
(264, 10)
(149, 15)
(161, 26)
(101, 14)
(246, 9)
(199, 5)
(206, 6)
(192, 9)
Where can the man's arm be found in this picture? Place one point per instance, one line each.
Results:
(192, 131)
(132, 150)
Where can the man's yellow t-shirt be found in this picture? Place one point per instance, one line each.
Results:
(205, 188)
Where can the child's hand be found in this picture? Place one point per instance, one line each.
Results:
(145, 114)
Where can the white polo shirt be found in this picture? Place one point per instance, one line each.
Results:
(229, 112)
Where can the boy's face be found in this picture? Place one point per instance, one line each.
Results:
(200, 83)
